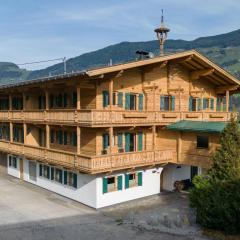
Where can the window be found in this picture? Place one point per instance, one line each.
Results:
(208, 104)
(46, 172)
(12, 161)
(58, 175)
(221, 103)
(130, 141)
(105, 140)
(133, 179)
(72, 179)
(202, 142)
(114, 98)
(130, 101)
(113, 183)
(195, 104)
(167, 103)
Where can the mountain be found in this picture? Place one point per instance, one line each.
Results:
(223, 49)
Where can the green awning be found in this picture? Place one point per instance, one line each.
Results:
(197, 126)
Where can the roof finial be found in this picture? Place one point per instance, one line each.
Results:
(162, 32)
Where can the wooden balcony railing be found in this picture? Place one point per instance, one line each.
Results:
(109, 117)
(89, 164)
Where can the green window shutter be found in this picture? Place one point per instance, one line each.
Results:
(119, 182)
(224, 104)
(65, 134)
(218, 103)
(40, 170)
(105, 185)
(60, 137)
(65, 100)
(74, 99)
(204, 103)
(105, 141)
(212, 103)
(199, 104)
(105, 98)
(120, 138)
(39, 102)
(74, 135)
(48, 172)
(126, 181)
(162, 101)
(173, 103)
(40, 136)
(127, 101)
(140, 102)
(120, 99)
(22, 135)
(140, 141)
(52, 136)
(51, 101)
(65, 177)
(52, 173)
(127, 142)
(140, 179)
(190, 104)
(60, 176)
(75, 180)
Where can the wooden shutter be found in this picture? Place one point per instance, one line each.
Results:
(127, 101)
(105, 185)
(126, 181)
(52, 173)
(199, 104)
(212, 103)
(119, 182)
(140, 102)
(65, 134)
(120, 99)
(75, 180)
(162, 101)
(140, 141)
(127, 142)
(60, 176)
(105, 141)
(40, 170)
(190, 104)
(48, 172)
(65, 175)
(52, 136)
(40, 136)
(105, 98)
(173, 103)
(120, 138)
(60, 137)
(140, 179)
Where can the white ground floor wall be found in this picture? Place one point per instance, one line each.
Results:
(90, 188)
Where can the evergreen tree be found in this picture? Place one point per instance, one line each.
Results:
(226, 160)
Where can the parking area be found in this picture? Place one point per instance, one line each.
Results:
(29, 212)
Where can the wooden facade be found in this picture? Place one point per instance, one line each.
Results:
(115, 118)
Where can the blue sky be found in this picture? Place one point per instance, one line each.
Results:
(33, 30)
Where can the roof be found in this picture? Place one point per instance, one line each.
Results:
(197, 126)
(194, 61)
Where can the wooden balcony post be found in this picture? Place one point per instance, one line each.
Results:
(10, 102)
(24, 133)
(47, 136)
(111, 93)
(78, 98)
(179, 146)
(110, 139)
(47, 99)
(78, 140)
(11, 132)
(154, 137)
(227, 101)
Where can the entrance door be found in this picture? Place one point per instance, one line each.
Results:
(194, 172)
(32, 170)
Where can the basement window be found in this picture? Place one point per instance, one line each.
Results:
(111, 184)
(202, 142)
(12, 162)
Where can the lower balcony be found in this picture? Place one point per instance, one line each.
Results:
(90, 164)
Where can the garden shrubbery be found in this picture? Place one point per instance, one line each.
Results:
(216, 196)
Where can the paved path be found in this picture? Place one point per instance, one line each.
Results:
(29, 212)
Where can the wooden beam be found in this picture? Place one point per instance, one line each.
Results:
(201, 73)
(78, 98)
(163, 64)
(227, 101)
(223, 89)
(78, 140)
(47, 136)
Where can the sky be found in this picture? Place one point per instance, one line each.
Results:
(33, 30)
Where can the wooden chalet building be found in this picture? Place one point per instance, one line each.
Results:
(116, 133)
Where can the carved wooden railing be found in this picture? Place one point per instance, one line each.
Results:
(108, 117)
(90, 164)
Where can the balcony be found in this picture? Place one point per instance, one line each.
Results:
(110, 117)
(94, 164)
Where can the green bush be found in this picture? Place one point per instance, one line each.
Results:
(217, 204)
